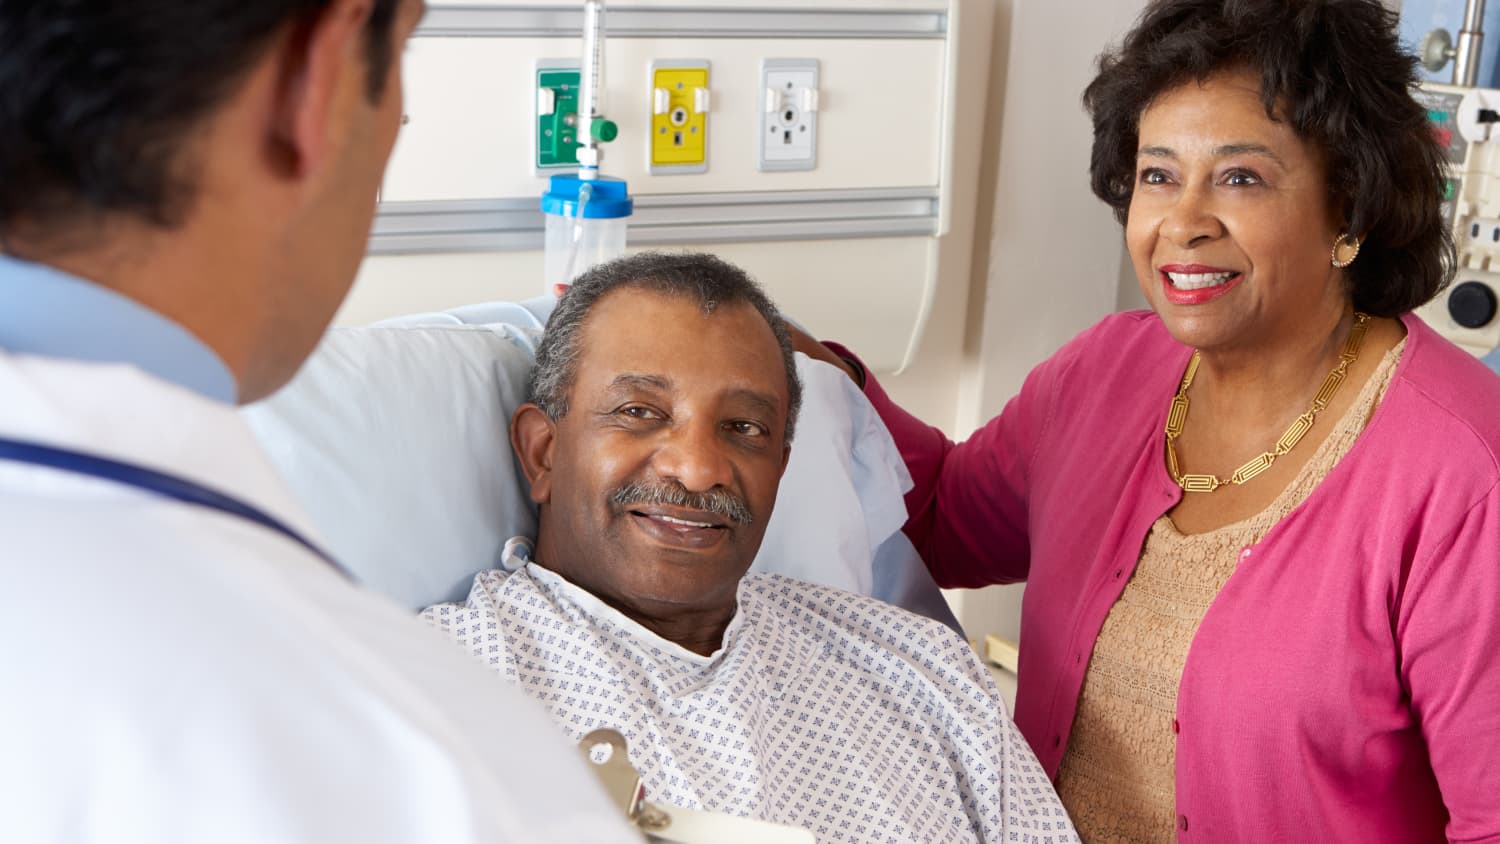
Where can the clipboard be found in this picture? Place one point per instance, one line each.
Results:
(671, 824)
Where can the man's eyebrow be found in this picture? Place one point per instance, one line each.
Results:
(630, 381)
(638, 381)
(760, 401)
(1155, 152)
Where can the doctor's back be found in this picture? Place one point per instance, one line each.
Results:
(185, 195)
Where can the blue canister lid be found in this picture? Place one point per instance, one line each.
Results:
(610, 198)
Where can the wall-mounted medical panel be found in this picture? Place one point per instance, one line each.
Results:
(851, 229)
(469, 101)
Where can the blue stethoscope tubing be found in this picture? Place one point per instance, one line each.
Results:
(156, 483)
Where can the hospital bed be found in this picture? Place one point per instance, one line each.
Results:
(394, 438)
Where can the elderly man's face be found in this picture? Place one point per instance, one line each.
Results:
(657, 483)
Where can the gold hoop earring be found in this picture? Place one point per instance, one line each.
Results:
(1345, 239)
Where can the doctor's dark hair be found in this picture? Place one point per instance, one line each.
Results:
(1335, 71)
(97, 98)
(703, 279)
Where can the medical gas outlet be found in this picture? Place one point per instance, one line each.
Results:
(680, 103)
(558, 87)
(789, 116)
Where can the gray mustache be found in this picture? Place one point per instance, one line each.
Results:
(717, 501)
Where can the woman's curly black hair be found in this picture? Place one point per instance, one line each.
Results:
(1336, 72)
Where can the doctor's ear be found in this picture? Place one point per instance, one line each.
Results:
(532, 436)
(321, 70)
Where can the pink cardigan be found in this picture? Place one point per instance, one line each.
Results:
(1345, 685)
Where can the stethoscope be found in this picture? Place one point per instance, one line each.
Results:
(156, 483)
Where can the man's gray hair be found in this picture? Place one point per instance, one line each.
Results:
(701, 278)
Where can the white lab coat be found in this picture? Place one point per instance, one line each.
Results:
(171, 674)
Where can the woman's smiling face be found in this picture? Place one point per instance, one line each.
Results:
(1230, 229)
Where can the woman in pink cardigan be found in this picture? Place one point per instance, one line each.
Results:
(1260, 523)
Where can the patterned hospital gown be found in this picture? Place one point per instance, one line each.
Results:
(823, 710)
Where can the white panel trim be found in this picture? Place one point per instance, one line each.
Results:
(691, 22)
(517, 224)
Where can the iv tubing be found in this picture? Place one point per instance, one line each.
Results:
(585, 192)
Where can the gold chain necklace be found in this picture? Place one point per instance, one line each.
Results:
(1178, 418)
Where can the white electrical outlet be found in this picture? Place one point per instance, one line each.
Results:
(789, 114)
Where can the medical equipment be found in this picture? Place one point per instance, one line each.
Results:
(671, 824)
(1438, 47)
(1463, 118)
(156, 483)
(586, 213)
(586, 222)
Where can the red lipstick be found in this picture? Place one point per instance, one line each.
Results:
(1199, 295)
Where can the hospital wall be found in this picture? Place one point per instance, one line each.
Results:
(1021, 258)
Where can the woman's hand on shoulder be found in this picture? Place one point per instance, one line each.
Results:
(804, 343)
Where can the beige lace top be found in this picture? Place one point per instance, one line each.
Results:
(1117, 777)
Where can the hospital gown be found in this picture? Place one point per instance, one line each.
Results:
(823, 709)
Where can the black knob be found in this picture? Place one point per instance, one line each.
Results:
(1472, 304)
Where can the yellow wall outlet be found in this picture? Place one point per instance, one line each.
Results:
(680, 102)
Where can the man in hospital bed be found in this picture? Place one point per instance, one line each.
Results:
(662, 410)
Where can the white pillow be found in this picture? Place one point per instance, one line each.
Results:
(841, 496)
(394, 438)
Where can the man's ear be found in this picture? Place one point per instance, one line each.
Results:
(786, 457)
(323, 70)
(533, 435)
